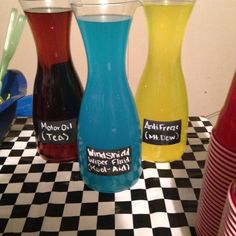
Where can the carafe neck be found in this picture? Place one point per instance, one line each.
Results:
(166, 27)
(51, 32)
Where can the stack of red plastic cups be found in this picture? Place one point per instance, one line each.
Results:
(228, 220)
(220, 168)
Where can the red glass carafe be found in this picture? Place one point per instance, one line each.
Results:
(57, 88)
(225, 128)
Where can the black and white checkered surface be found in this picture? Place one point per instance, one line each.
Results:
(39, 198)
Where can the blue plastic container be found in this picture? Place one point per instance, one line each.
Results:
(14, 84)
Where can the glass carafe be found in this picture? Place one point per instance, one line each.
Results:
(161, 96)
(57, 90)
(109, 134)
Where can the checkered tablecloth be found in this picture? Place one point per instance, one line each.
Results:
(40, 198)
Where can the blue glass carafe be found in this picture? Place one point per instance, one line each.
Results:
(109, 134)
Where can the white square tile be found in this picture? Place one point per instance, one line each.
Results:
(159, 219)
(19, 145)
(26, 133)
(22, 169)
(191, 164)
(33, 177)
(183, 231)
(143, 232)
(186, 194)
(6, 211)
(123, 196)
(196, 183)
(45, 187)
(29, 152)
(124, 221)
(15, 225)
(72, 209)
(167, 182)
(63, 176)
(139, 185)
(37, 210)
(163, 166)
(154, 193)
(105, 233)
(76, 186)
(88, 222)
(58, 197)
(12, 160)
(13, 188)
(150, 173)
(140, 207)
(173, 206)
(90, 196)
(51, 224)
(106, 208)
(179, 173)
(25, 198)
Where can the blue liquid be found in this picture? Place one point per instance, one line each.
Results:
(108, 118)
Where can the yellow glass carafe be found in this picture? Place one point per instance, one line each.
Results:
(161, 96)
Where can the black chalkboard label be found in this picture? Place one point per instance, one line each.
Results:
(161, 132)
(109, 162)
(57, 132)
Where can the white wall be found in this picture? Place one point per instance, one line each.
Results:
(208, 55)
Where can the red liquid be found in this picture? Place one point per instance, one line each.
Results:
(225, 128)
(57, 89)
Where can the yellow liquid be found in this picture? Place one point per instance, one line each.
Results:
(161, 94)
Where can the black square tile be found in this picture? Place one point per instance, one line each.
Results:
(60, 186)
(65, 167)
(189, 206)
(20, 211)
(124, 232)
(76, 176)
(55, 210)
(70, 223)
(165, 173)
(3, 188)
(138, 194)
(74, 197)
(183, 183)
(152, 183)
(18, 178)
(3, 224)
(8, 169)
(16, 153)
(177, 220)
(157, 205)
(106, 197)
(8, 199)
(177, 164)
(89, 209)
(41, 198)
(189, 156)
(194, 173)
(31, 145)
(26, 160)
(106, 222)
(29, 188)
(147, 164)
(198, 148)
(162, 232)
(36, 168)
(171, 193)
(123, 208)
(48, 177)
(142, 221)
(87, 233)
